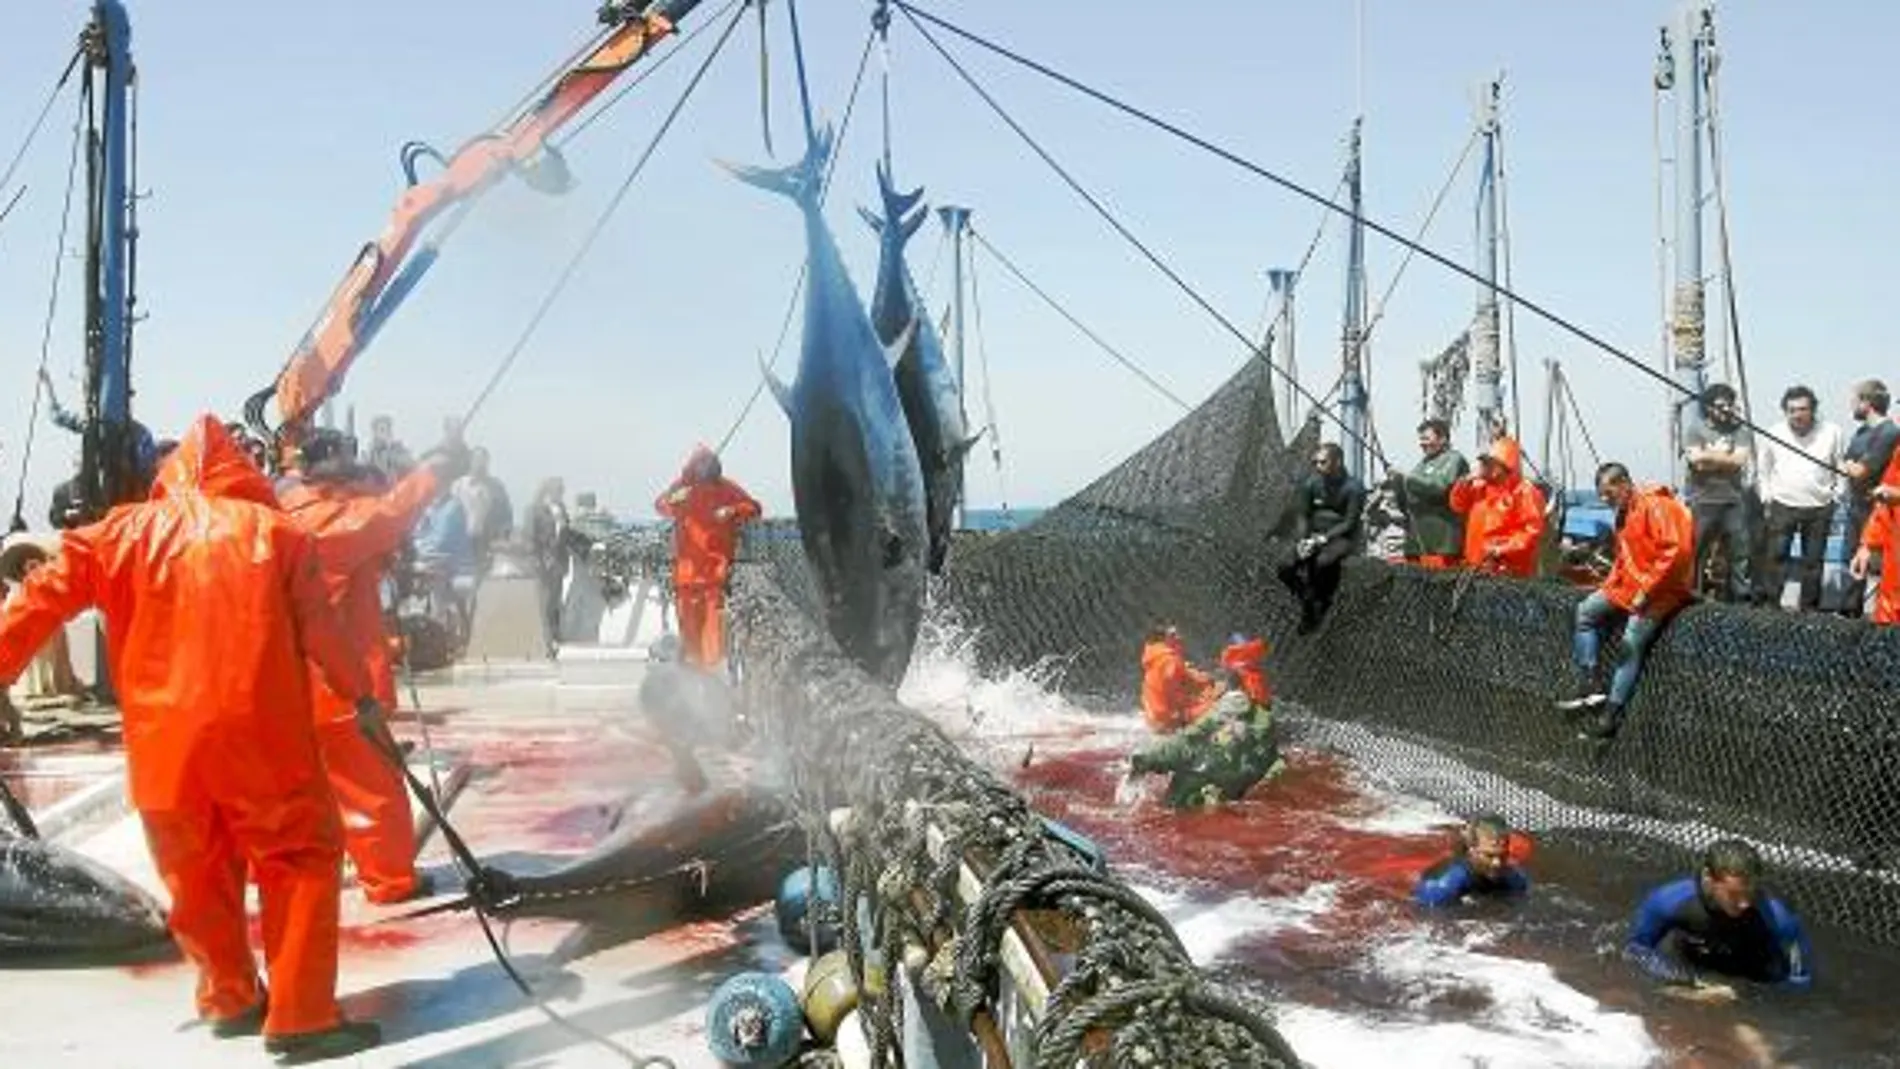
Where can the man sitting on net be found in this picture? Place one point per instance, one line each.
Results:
(1486, 863)
(1218, 758)
(1719, 921)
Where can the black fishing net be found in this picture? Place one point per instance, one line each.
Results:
(918, 810)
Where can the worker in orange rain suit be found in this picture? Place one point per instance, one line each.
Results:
(358, 525)
(1504, 513)
(212, 599)
(1245, 658)
(1882, 535)
(707, 510)
(1174, 693)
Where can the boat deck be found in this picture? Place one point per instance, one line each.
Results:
(547, 750)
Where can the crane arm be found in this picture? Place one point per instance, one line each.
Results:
(385, 271)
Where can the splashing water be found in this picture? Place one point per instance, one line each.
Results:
(1300, 890)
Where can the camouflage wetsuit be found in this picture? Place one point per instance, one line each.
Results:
(1218, 758)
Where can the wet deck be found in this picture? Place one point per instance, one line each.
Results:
(548, 749)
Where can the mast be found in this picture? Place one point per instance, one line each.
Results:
(1487, 367)
(1281, 280)
(107, 470)
(1354, 401)
(957, 221)
(1686, 47)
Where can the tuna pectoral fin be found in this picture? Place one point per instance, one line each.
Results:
(780, 392)
(962, 449)
(894, 351)
(871, 219)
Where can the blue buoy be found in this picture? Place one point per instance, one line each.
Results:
(754, 1022)
(794, 905)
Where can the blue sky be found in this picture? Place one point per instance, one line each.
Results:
(269, 136)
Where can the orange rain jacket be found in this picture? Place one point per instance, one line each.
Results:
(1655, 554)
(1246, 660)
(211, 601)
(357, 527)
(1882, 536)
(703, 543)
(1505, 518)
(1174, 693)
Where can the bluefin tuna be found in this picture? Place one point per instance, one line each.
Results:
(926, 386)
(58, 906)
(856, 480)
(670, 856)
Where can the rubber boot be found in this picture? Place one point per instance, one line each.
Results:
(248, 1023)
(347, 1038)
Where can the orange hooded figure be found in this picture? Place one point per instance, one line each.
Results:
(1655, 554)
(1882, 536)
(707, 510)
(1174, 693)
(1245, 658)
(1504, 513)
(212, 599)
(357, 526)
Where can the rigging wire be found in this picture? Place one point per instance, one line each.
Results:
(918, 16)
(12, 202)
(39, 120)
(1721, 215)
(1385, 299)
(1663, 251)
(798, 285)
(989, 397)
(1115, 354)
(600, 224)
(1115, 223)
(1509, 309)
(52, 310)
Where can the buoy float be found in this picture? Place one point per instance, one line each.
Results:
(829, 995)
(794, 904)
(754, 1022)
(853, 1049)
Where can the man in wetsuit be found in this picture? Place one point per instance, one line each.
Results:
(1483, 864)
(1719, 921)
(1218, 758)
(1326, 532)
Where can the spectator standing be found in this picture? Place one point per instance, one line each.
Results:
(1799, 490)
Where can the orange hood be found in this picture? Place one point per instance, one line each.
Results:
(208, 463)
(1508, 453)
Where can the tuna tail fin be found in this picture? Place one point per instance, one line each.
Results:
(898, 205)
(780, 392)
(895, 349)
(800, 181)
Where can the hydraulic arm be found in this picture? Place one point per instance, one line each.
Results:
(386, 270)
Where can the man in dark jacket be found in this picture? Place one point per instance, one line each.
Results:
(1326, 532)
(1435, 534)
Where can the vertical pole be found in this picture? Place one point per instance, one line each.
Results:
(1282, 280)
(957, 221)
(1487, 367)
(1353, 400)
(1695, 32)
(115, 400)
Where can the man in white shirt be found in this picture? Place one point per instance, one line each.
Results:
(1799, 490)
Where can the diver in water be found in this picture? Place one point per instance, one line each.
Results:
(1218, 758)
(1485, 863)
(1719, 921)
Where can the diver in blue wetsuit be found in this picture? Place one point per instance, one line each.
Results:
(1719, 921)
(1482, 865)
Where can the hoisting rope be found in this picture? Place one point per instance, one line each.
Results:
(1509, 309)
(1114, 354)
(52, 306)
(989, 396)
(881, 24)
(600, 223)
(11, 203)
(798, 284)
(804, 85)
(1728, 261)
(918, 17)
(1369, 441)
(659, 63)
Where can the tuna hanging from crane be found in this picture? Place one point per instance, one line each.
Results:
(926, 386)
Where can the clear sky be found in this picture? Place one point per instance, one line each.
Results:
(269, 135)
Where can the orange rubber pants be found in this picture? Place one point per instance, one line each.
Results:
(379, 829)
(702, 626)
(1437, 562)
(292, 844)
